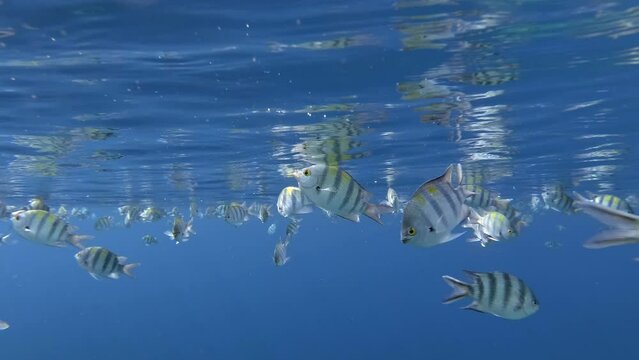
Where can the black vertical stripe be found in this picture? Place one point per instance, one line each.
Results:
(36, 229)
(438, 210)
(53, 228)
(356, 198)
(335, 187)
(446, 191)
(480, 289)
(522, 295)
(94, 254)
(107, 262)
(349, 193)
(492, 292)
(322, 178)
(508, 287)
(63, 233)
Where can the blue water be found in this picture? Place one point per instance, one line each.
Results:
(140, 102)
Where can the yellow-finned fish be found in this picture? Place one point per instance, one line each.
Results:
(335, 191)
(45, 228)
(236, 214)
(492, 226)
(180, 231)
(613, 202)
(38, 204)
(102, 262)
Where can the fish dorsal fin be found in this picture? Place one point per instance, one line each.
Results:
(446, 177)
(122, 260)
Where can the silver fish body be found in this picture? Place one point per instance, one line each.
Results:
(101, 262)
(280, 256)
(557, 199)
(103, 223)
(180, 231)
(335, 191)
(491, 226)
(434, 210)
(236, 214)
(613, 202)
(45, 228)
(291, 202)
(624, 226)
(498, 293)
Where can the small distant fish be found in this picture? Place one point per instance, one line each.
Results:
(516, 218)
(131, 214)
(335, 191)
(236, 214)
(180, 232)
(4, 211)
(260, 211)
(103, 223)
(149, 240)
(81, 213)
(552, 244)
(492, 226)
(556, 199)
(496, 293)
(4, 325)
(291, 202)
(62, 212)
(151, 214)
(434, 210)
(271, 229)
(292, 227)
(392, 200)
(280, 257)
(193, 209)
(101, 262)
(613, 202)
(45, 228)
(38, 204)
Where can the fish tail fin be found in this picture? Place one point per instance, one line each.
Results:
(128, 268)
(5, 239)
(76, 240)
(610, 238)
(473, 216)
(189, 228)
(169, 234)
(460, 289)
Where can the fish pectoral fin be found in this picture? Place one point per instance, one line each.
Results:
(114, 276)
(169, 234)
(451, 237)
(329, 189)
(94, 276)
(305, 210)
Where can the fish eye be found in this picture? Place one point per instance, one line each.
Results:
(307, 172)
(431, 229)
(318, 188)
(412, 231)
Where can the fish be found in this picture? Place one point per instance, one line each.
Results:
(556, 198)
(236, 214)
(149, 240)
(293, 227)
(4, 325)
(491, 226)
(516, 218)
(4, 211)
(37, 204)
(151, 214)
(271, 229)
(624, 226)
(81, 213)
(291, 202)
(180, 232)
(280, 257)
(392, 200)
(612, 201)
(131, 214)
(497, 293)
(335, 191)
(434, 210)
(102, 262)
(103, 223)
(260, 211)
(481, 197)
(45, 228)
(62, 212)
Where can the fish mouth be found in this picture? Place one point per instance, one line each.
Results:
(405, 240)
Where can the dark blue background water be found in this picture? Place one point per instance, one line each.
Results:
(109, 103)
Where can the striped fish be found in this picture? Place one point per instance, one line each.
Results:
(291, 202)
(556, 199)
(180, 231)
(45, 228)
(479, 197)
(496, 293)
(613, 202)
(149, 240)
(260, 211)
(492, 226)
(434, 210)
(236, 214)
(280, 257)
(103, 223)
(516, 218)
(101, 262)
(293, 227)
(624, 226)
(335, 191)
(38, 204)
